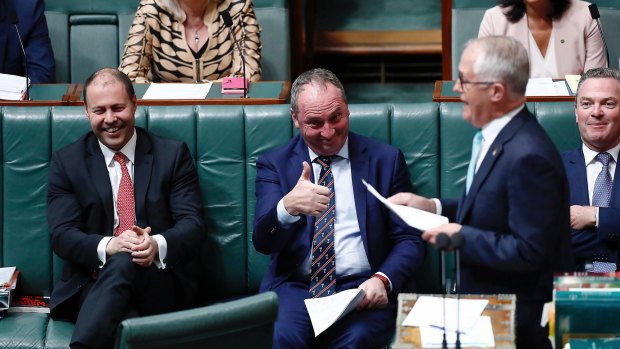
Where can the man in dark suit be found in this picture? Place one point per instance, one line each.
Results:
(363, 248)
(33, 29)
(592, 172)
(513, 214)
(127, 252)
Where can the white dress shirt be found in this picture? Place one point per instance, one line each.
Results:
(115, 173)
(542, 67)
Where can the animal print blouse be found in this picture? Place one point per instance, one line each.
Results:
(156, 49)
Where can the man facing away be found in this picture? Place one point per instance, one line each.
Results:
(513, 214)
(324, 231)
(591, 171)
(124, 215)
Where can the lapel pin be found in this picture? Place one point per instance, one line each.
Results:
(562, 41)
(494, 151)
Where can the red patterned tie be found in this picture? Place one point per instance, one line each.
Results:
(124, 198)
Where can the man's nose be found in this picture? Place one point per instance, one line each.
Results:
(327, 131)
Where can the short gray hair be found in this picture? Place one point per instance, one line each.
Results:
(502, 59)
(319, 77)
(603, 73)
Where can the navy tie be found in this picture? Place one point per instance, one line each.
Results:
(323, 256)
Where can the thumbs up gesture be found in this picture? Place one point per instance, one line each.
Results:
(306, 197)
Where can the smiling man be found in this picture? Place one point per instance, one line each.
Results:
(513, 214)
(591, 170)
(324, 231)
(124, 215)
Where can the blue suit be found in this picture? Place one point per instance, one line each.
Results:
(33, 29)
(516, 222)
(390, 249)
(592, 244)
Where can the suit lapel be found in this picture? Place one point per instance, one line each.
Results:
(359, 171)
(4, 42)
(615, 191)
(96, 167)
(142, 173)
(300, 155)
(578, 178)
(490, 159)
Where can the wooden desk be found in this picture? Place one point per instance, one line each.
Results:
(443, 93)
(264, 92)
(501, 309)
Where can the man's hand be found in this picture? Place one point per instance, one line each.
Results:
(582, 217)
(145, 252)
(376, 295)
(124, 242)
(450, 229)
(415, 201)
(306, 197)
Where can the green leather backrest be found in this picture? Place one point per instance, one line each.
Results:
(558, 119)
(466, 18)
(610, 22)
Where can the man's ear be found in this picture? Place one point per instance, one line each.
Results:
(498, 92)
(294, 117)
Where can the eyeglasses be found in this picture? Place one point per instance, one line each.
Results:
(464, 82)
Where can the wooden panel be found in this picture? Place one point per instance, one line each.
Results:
(384, 42)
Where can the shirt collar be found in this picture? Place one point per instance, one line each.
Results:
(589, 155)
(343, 152)
(129, 150)
(493, 128)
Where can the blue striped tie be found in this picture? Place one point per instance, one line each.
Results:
(323, 256)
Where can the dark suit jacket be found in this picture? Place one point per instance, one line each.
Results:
(594, 244)
(80, 208)
(390, 249)
(33, 29)
(515, 218)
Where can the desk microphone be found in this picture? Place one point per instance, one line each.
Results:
(457, 243)
(442, 242)
(228, 22)
(14, 20)
(596, 16)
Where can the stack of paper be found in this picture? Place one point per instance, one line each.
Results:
(8, 282)
(12, 87)
(177, 91)
(325, 311)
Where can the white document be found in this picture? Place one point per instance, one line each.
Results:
(545, 87)
(428, 311)
(177, 91)
(479, 335)
(12, 87)
(6, 276)
(325, 311)
(414, 217)
(573, 82)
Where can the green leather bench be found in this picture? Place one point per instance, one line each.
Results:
(90, 34)
(225, 142)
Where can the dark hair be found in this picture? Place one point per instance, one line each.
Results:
(318, 76)
(117, 75)
(516, 9)
(603, 73)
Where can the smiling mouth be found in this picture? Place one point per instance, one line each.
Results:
(112, 129)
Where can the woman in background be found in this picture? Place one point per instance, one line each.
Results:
(188, 41)
(560, 35)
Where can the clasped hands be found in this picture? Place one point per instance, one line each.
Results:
(136, 241)
(306, 197)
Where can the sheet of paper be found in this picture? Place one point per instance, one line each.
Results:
(573, 82)
(428, 311)
(177, 91)
(545, 87)
(12, 87)
(478, 335)
(414, 217)
(6, 274)
(325, 311)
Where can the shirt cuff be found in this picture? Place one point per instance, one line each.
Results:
(283, 216)
(163, 251)
(101, 250)
(438, 207)
(388, 279)
(596, 215)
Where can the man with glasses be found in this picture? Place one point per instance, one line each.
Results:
(591, 171)
(513, 214)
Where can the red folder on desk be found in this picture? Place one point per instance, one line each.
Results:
(234, 85)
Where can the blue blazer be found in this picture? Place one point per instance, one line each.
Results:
(33, 29)
(593, 244)
(80, 209)
(516, 217)
(391, 249)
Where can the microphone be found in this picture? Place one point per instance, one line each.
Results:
(14, 20)
(442, 242)
(458, 241)
(228, 22)
(596, 16)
